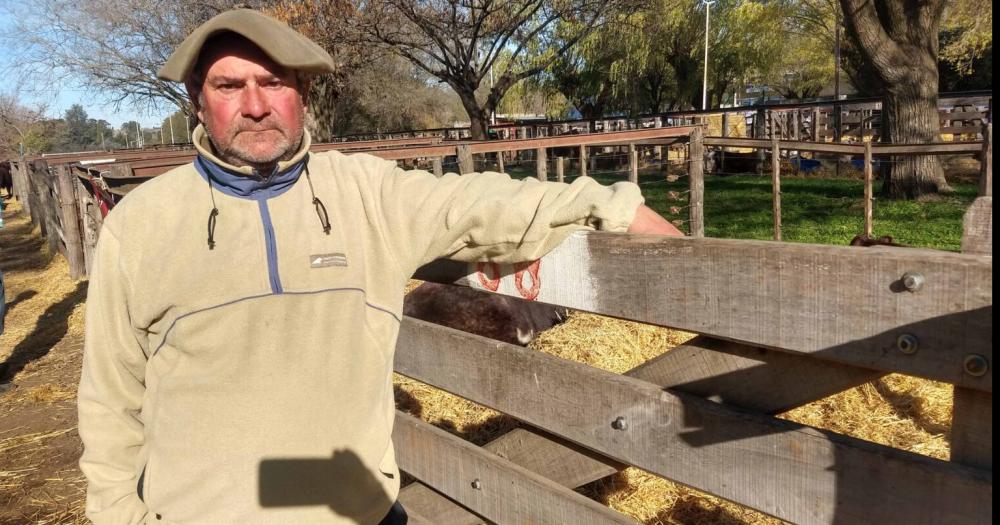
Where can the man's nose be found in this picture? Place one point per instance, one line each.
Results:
(253, 104)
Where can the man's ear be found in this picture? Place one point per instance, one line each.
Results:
(194, 95)
(304, 82)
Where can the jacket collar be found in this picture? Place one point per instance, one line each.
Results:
(241, 181)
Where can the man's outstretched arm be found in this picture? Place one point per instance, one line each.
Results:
(648, 221)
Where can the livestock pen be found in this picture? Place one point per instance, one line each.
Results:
(779, 325)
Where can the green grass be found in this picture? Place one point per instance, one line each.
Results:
(814, 210)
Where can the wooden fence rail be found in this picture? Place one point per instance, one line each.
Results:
(831, 317)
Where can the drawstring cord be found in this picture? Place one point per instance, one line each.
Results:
(324, 219)
(211, 216)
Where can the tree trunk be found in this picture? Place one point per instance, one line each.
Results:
(479, 117)
(910, 116)
(899, 40)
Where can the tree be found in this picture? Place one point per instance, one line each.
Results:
(373, 89)
(461, 41)
(899, 38)
(747, 42)
(112, 46)
(22, 128)
(967, 46)
(175, 128)
(806, 63)
(79, 132)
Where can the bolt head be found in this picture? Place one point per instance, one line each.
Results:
(476, 484)
(620, 423)
(976, 365)
(907, 344)
(913, 281)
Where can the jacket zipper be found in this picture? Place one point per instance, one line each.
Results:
(270, 244)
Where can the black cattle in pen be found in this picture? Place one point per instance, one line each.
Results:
(732, 163)
(6, 179)
(499, 317)
(864, 240)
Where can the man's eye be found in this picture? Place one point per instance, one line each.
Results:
(227, 87)
(275, 83)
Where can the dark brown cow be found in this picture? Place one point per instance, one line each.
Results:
(731, 163)
(864, 240)
(6, 180)
(499, 317)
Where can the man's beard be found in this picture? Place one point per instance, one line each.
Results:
(284, 146)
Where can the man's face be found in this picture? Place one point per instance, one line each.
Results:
(252, 108)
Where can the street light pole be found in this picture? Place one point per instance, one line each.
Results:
(704, 84)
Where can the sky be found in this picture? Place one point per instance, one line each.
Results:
(60, 97)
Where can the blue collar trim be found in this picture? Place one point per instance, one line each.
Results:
(246, 187)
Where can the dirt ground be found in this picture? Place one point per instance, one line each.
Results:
(40, 356)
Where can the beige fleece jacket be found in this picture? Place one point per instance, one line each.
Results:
(252, 382)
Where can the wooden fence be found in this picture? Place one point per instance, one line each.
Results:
(960, 114)
(780, 325)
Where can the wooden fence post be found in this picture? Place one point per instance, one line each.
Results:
(560, 170)
(70, 222)
(34, 196)
(633, 164)
(540, 169)
(815, 125)
(465, 162)
(437, 166)
(658, 150)
(21, 186)
(869, 190)
(696, 174)
(986, 163)
(776, 184)
(49, 207)
(972, 420)
(500, 167)
(583, 160)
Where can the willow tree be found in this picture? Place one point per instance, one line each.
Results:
(899, 38)
(461, 41)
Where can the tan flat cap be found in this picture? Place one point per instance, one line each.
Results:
(283, 44)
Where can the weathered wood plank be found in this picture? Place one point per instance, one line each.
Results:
(972, 417)
(465, 162)
(869, 191)
(754, 378)
(560, 169)
(941, 148)
(495, 488)
(776, 186)
(977, 237)
(696, 184)
(972, 428)
(69, 217)
(435, 508)
(832, 302)
(436, 166)
(765, 381)
(541, 169)
(633, 164)
(986, 169)
(791, 471)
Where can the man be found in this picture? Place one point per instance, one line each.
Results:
(243, 310)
